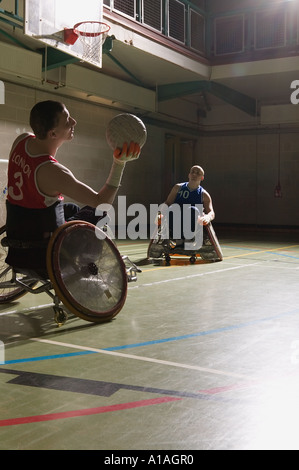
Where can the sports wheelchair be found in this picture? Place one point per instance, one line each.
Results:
(85, 273)
(161, 247)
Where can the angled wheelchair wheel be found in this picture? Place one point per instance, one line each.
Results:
(155, 248)
(87, 273)
(9, 290)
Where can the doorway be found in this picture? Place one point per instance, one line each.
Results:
(179, 158)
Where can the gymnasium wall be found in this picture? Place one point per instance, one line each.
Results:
(88, 154)
(242, 172)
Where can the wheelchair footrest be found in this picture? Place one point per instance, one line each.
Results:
(131, 269)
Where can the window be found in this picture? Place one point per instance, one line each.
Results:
(176, 20)
(125, 6)
(270, 29)
(229, 35)
(197, 31)
(152, 13)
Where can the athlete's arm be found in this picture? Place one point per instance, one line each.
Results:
(209, 213)
(172, 195)
(54, 179)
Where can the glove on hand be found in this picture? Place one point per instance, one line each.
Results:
(127, 154)
(205, 220)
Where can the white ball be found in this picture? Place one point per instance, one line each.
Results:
(125, 128)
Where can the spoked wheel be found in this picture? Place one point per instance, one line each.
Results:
(155, 249)
(9, 291)
(87, 273)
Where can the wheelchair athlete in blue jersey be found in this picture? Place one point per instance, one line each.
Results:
(196, 214)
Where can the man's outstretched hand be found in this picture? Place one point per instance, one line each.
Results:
(127, 154)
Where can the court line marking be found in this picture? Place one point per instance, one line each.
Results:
(39, 307)
(116, 407)
(26, 310)
(229, 247)
(30, 309)
(143, 358)
(146, 359)
(157, 341)
(86, 411)
(262, 251)
(271, 251)
(191, 276)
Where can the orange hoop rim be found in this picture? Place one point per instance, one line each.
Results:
(91, 34)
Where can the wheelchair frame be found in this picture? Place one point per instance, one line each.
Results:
(90, 284)
(161, 247)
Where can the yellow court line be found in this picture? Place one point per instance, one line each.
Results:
(241, 255)
(260, 252)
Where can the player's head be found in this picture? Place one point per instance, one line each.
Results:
(196, 173)
(45, 116)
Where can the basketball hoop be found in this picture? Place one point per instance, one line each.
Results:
(92, 35)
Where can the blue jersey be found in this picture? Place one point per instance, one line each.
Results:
(188, 196)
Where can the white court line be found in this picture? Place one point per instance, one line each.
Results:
(145, 359)
(30, 309)
(191, 276)
(26, 310)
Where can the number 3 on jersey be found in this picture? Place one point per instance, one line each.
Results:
(17, 193)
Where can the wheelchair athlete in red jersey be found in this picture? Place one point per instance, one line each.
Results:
(37, 183)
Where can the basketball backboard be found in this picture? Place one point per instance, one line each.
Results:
(48, 22)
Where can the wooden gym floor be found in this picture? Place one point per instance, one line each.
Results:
(201, 357)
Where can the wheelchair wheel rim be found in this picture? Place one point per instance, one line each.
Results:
(87, 272)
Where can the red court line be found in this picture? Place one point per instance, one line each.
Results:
(85, 412)
(226, 388)
(110, 408)
(119, 407)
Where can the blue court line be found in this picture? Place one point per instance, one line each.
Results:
(204, 333)
(160, 341)
(283, 254)
(230, 247)
(44, 358)
(259, 250)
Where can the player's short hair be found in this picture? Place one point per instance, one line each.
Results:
(44, 116)
(200, 168)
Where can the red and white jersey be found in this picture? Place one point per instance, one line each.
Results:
(22, 185)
